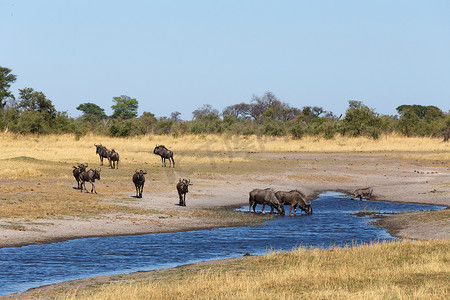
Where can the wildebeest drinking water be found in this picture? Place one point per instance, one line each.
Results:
(77, 171)
(183, 188)
(165, 154)
(294, 198)
(139, 180)
(266, 196)
(102, 152)
(113, 157)
(362, 193)
(90, 176)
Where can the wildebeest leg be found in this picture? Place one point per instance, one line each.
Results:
(295, 210)
(101, 161)
(162, 161)
(117, 165)
(290, 208)
(173, 163)
(142, 189)
(93, 187)
(184, 200)
(254, 207)
(264, 205)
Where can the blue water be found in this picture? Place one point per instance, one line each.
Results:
(332, 223)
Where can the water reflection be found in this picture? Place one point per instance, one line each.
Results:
(332, 223)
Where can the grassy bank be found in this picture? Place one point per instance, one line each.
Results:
(395, 270)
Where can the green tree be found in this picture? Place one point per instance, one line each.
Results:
(91, 112)
(32, 100)
(6, 79)
(420, 120)
(361, 120)
(125, 107)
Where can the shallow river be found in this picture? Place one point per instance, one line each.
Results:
(332, 223)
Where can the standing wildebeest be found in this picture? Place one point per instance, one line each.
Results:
(182, 188)
(139, 180)
(113, 157)
(102, 152)
(90, 176)
(366, 193)
(294, 198)
(77, 171)
(266, 196)
(165, 154)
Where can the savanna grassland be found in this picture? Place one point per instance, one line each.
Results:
(396, 270)
(38, 196)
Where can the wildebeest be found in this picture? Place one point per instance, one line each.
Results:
(266, 196)
(139, 180)
(294, 198)
(113, 157)
(165, 154)
(102, 152)
(77, 171)
(362, 193)
(90, 176)
(183, 188)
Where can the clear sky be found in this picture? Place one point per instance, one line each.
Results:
(178, 55)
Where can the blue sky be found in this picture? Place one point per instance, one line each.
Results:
(178, 55)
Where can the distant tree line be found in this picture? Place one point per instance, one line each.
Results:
(33, 113)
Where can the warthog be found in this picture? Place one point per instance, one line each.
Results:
(183, 189)
(77, 171)
(139, 180)
(102, 152)
(165, 154)
(113, 157)
(90, 176)
(266, 196)
(294, 198)
(362, 193)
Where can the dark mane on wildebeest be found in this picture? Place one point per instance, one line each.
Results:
(139, 180)
(165, 153)
(102, 152)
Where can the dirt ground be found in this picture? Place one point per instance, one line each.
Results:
(393, 177)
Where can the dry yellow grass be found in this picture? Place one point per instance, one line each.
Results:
(397, 270)
(65, 148)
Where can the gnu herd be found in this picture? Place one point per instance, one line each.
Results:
(275, 200)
